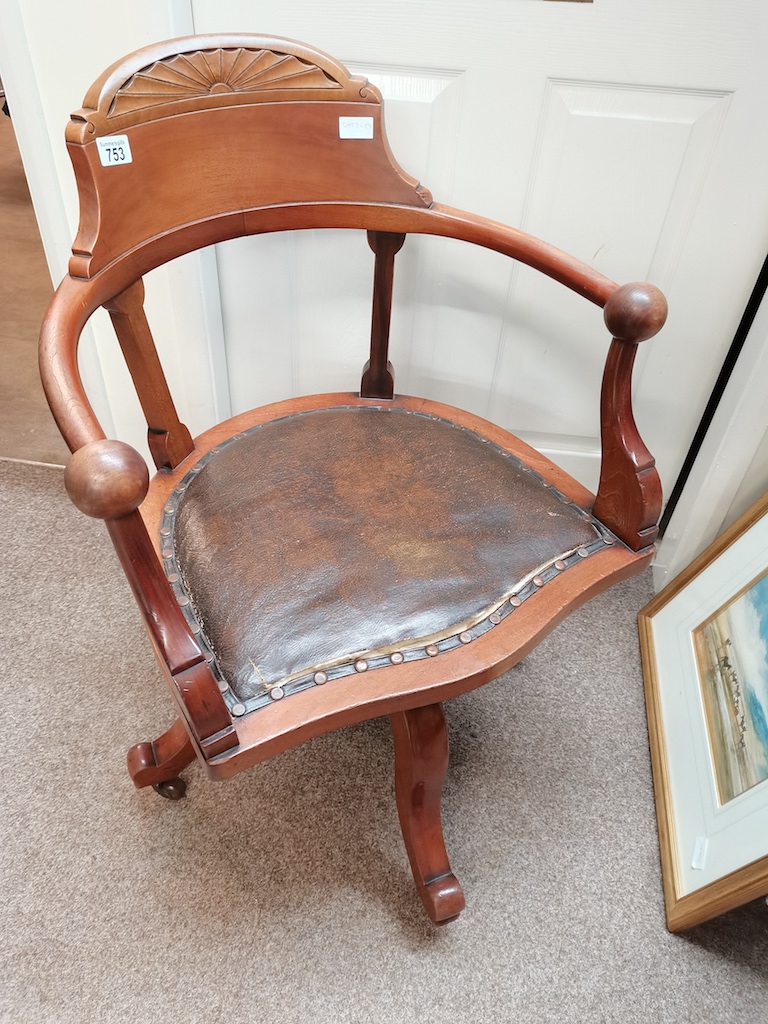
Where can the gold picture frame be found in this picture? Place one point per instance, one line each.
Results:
(704, 644)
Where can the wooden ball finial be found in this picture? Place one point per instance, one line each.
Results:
(635, 312)
(106, 479)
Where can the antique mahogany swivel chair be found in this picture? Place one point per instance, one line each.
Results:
(332, 558)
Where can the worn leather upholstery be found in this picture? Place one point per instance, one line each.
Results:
(333, 534)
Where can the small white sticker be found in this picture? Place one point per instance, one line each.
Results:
(355, 127)
(699, 853)
(114, 150)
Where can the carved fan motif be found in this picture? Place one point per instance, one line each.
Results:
(187, 76)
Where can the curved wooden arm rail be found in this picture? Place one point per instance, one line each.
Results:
(328, 558)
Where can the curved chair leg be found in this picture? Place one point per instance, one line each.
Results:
(158, 763)
(421, 763)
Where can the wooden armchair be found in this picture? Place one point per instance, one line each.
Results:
(331, 558)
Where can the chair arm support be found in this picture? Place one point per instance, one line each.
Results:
(629, 495)
(109, 480)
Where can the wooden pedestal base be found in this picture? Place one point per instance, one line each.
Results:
(421, 763)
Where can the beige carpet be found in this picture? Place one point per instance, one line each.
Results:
(284, 895)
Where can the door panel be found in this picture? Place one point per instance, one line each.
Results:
(632, 161)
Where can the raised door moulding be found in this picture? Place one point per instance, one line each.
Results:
(677, 129)
(600, 147)
(414, 85)
(422, 113)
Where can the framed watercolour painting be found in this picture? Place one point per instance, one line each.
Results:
(704, 642)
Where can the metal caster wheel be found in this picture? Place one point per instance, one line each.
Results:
(171, 789)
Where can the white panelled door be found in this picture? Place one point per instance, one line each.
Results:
(627, 133)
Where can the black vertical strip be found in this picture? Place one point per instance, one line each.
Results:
(745, 325)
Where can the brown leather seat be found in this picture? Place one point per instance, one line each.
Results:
(328, 558)
(323, 542)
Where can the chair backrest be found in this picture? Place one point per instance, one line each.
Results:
(198, 140)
